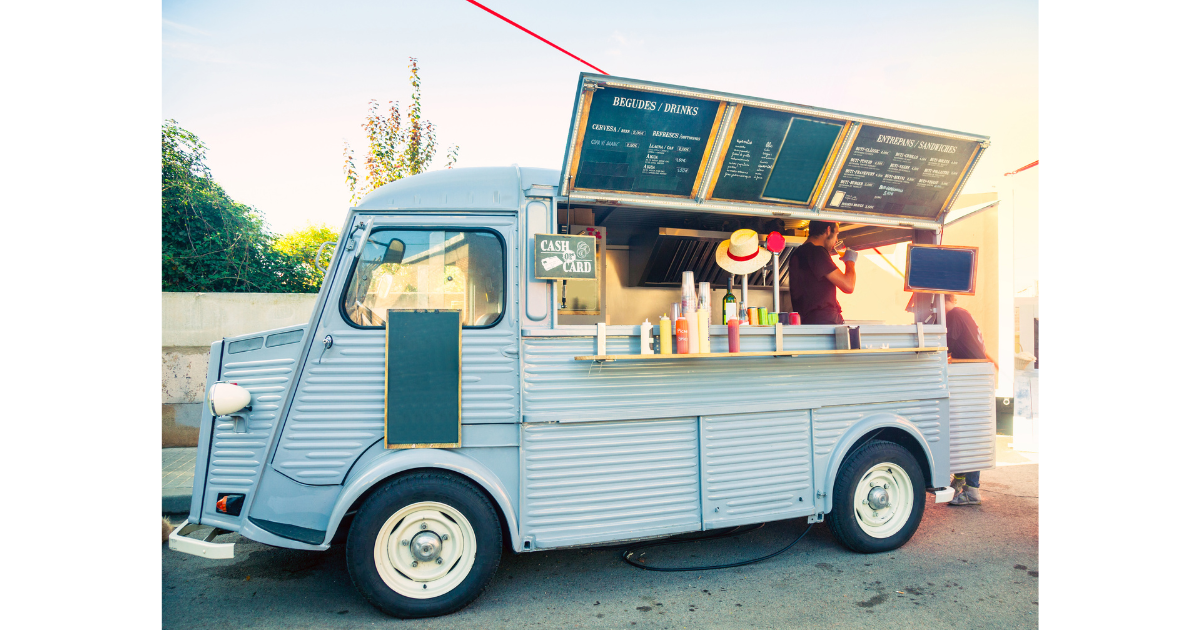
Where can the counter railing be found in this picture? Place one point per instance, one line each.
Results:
(835, 338)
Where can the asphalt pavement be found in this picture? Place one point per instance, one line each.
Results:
(966, 567)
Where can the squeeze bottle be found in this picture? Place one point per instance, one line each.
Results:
(664, 335)
(681, 335)
(646, 328)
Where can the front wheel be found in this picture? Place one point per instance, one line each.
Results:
(423, 545)
(878, 498)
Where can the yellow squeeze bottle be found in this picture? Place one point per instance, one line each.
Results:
(664, 335)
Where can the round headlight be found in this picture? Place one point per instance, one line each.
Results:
(226, 398)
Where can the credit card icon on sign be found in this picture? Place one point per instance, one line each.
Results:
(551, 262)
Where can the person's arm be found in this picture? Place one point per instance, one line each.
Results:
(844, 280)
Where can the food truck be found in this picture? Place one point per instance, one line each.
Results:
(476, 372)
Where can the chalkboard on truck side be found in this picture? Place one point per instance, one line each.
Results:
(643, 142)
(940, 269)
(422, 379)
(901, 173)
(775, 156)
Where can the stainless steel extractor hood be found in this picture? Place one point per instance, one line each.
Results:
(658, 259)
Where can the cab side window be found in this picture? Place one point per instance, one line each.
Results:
(428, 269)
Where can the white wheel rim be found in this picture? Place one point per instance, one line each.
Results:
(886, 521)
(394, 560)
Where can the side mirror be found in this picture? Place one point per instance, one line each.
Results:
(394, 253)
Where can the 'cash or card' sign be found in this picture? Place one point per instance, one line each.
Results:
(564, 257)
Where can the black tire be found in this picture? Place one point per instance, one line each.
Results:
(404, 492)
(843, 521)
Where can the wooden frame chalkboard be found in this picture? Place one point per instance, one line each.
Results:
(941, 269)
(422, 379)
(920, 173)
(775, 156)
(644, 143)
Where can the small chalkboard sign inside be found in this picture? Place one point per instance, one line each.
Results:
(941, 269)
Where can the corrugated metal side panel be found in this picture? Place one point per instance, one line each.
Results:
(339, 406)
(755, 467)
(829, 424)
(972, 417)
(237, 457)
(338, 409)
(558, 388)
(595, 482)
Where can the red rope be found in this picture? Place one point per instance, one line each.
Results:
(1030, 165)
(559, 48)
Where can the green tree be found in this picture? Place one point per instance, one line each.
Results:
(305, 243)
(211, 242)
(398, 144)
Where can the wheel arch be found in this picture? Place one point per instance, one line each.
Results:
(383, 469)
(883, 426)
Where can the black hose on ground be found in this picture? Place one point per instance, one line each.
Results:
(730, 533)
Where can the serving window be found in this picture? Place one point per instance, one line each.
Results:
(428, 269)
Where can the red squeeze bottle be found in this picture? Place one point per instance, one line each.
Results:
(735, 340)
(681, 335)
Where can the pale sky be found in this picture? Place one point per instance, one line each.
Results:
(273, 88)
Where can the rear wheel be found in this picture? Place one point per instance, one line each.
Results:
(423, 545)
(878, 498)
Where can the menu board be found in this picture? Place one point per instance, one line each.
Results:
(900, 172)
(644, 142)
(775, 156)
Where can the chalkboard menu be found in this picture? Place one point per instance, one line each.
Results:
(644, 142)
(673, 147)
(940, 269)
(775, 156)
(900, 172)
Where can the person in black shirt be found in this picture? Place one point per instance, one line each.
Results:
(814, 279)
(965, 342)
(962, 333)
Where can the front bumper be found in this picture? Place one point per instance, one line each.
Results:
(178, 541)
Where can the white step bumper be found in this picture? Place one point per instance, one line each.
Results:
(179, 541)
(942, 495)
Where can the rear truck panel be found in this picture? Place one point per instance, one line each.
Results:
(972, 417)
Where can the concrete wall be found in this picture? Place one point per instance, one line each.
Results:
(190, 323)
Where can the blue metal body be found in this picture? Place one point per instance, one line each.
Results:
(570, 452)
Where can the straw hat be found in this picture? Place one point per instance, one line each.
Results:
(741, 253)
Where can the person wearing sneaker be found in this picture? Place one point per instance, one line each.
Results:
(965, 341)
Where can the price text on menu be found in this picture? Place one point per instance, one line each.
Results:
(644, 142)
(901, 173)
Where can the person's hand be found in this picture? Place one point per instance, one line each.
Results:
(849, 255)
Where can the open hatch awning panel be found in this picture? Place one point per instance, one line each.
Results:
(639, 144)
